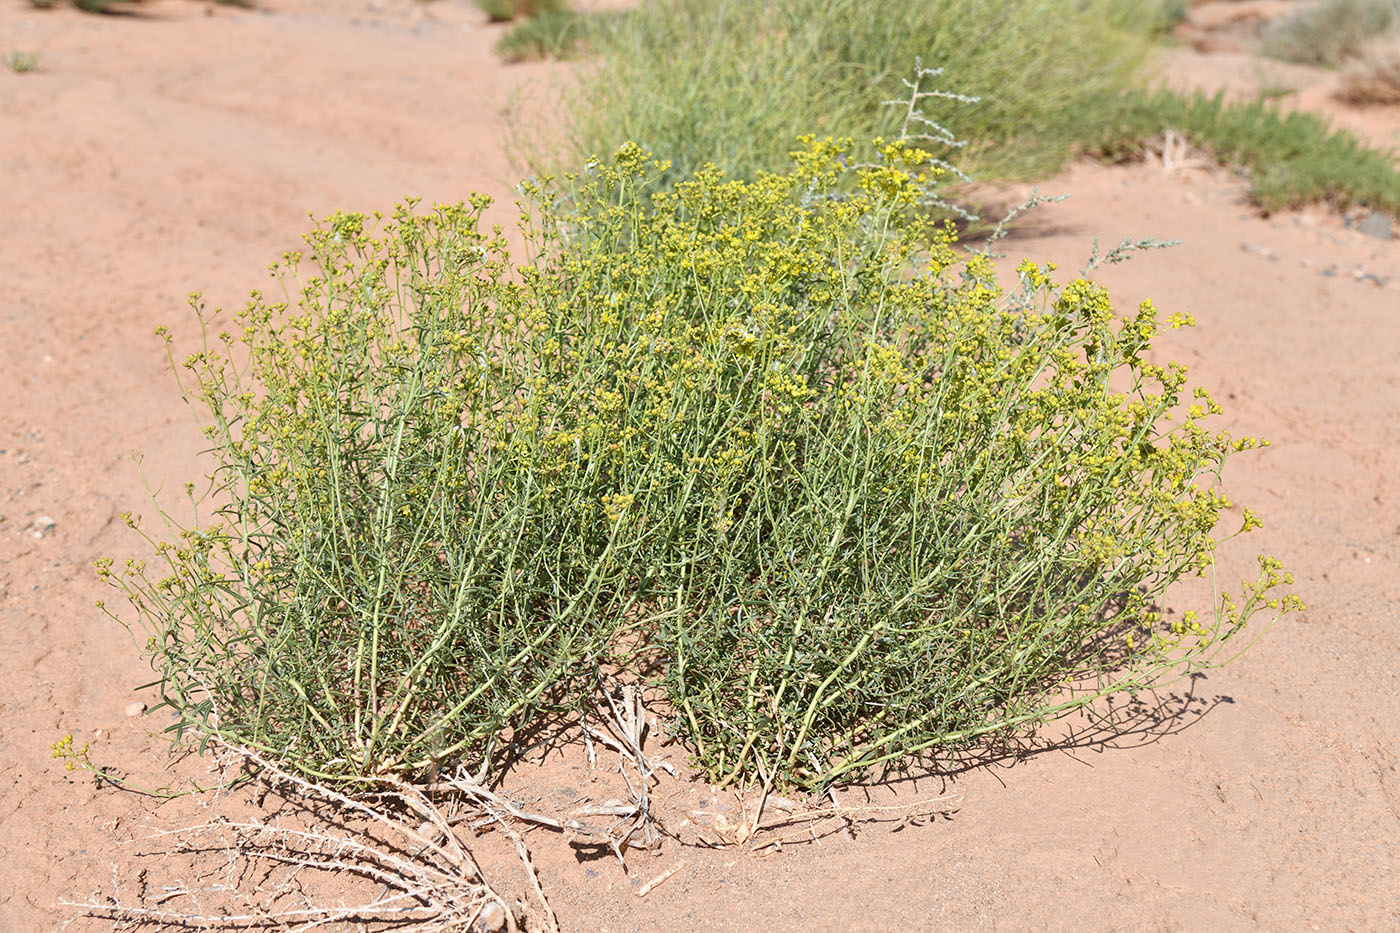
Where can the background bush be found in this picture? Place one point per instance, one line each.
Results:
(1292, 158)
(730, 83)
(1373, 77)
(501, 11)
(733, 83)
(774, 438)
(1329, 32)
(553, 34)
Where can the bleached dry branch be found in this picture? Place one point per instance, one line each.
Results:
(403, 848)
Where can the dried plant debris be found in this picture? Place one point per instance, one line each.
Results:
(1373, 78)
(391, 858)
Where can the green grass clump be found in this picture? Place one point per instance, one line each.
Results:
(698, 81)
(503, 11)
(777, 439)
(21, 61)
(552, 34)
(1330, 32)
(702, 81)
(1155, 18)
(1291, 158)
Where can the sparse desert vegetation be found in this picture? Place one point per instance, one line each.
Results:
(722, 496)
(1330, 32)
(1373, 78)
(444, 499)
(22, 61)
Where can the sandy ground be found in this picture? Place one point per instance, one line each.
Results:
(181, 148)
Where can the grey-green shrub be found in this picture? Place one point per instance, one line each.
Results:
(552, 34)
(21, 61)
(501, 11)
(1292, 158)
(775, 439)
(1329, 32)
(734, 82)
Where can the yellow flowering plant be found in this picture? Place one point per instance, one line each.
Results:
(850, 496)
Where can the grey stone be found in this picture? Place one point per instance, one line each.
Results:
(1375, 224)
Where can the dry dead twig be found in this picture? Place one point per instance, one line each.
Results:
(646, 889)
(624, 730)
(1175, 153)
(425, 877)
(748, 830)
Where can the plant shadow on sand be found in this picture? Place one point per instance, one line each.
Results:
(1137, 722)
(1125, 723)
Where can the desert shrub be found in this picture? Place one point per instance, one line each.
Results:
(853, 498)
(552, 34)
(698, 81)
(1292, 158)
(21, 61)
(701, 82)
(385, 580)
(924, 507)
(503, 11)
(1149, 17)
(1329, 32)
(1373, 77)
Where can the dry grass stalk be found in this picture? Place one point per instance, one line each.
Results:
(1374, 77)
(1176, 154)
(646, 889)
(624, 730)
(750, 830)
(626, 824)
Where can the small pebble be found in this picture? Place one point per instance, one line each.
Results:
(491, 919)
(134, 709)
(1259, 249)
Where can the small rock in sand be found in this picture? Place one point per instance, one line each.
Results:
(42, 526)
(491, 919)
(1259, 249)
(1375, 224)
(134, 709)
